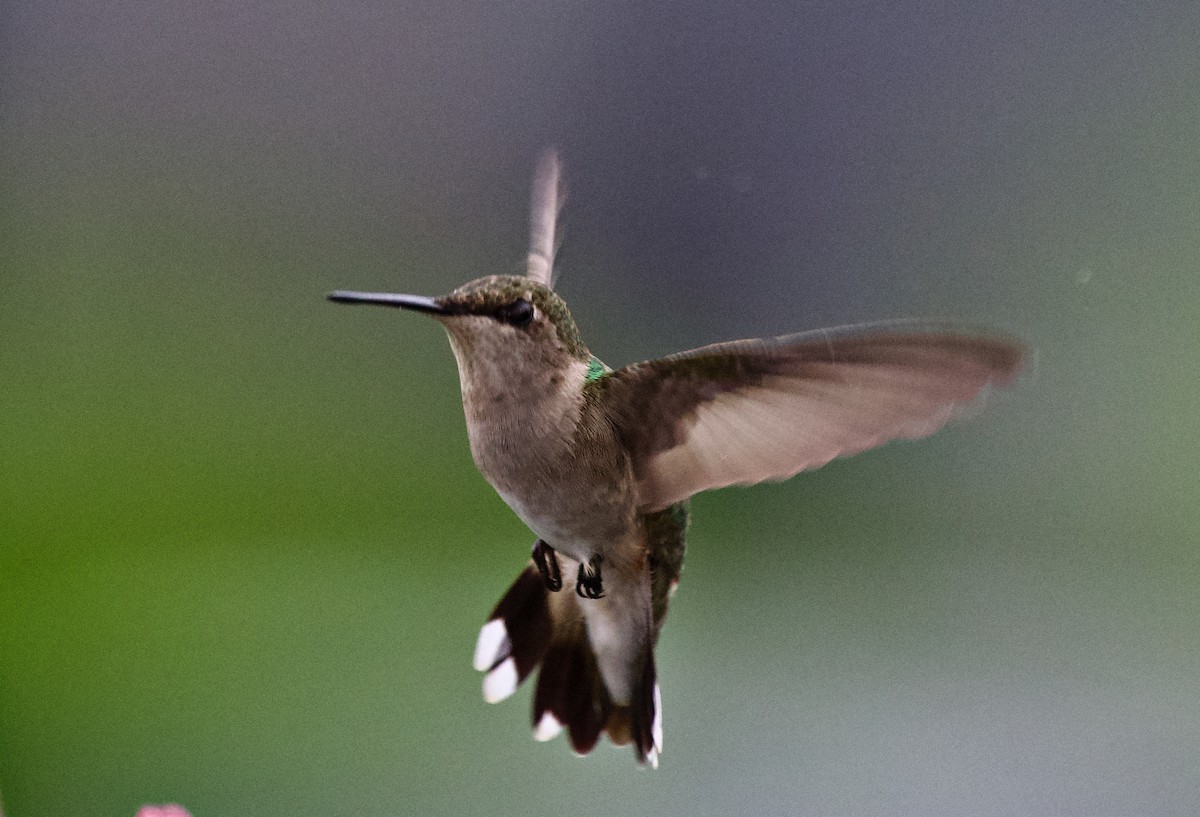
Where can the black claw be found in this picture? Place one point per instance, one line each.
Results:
(589, 584)
(547, 562)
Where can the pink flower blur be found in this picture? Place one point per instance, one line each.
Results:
(166, 810)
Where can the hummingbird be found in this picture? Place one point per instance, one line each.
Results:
(600, 463)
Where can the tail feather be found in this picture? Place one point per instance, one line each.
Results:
(640, 723)
(516, 636)
(569, 689)
(530, 627)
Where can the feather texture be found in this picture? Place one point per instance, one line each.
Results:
(748, 411)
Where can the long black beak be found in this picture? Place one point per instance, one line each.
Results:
(418, 303)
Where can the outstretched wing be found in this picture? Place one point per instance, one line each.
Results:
(752, 410)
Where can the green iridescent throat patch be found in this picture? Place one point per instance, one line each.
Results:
(596, 369)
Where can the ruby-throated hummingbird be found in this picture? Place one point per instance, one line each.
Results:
(600, 463)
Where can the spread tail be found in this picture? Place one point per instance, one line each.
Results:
(532, 627)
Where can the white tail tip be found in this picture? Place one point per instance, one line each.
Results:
(656, 729)
(548, 728)
(500, 682)
(493, 644)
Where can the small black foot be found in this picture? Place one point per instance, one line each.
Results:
(547, 562)
(589, 584)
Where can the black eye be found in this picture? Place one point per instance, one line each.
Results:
(518, 313)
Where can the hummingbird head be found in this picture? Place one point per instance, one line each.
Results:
(504, 324)
(509, 332)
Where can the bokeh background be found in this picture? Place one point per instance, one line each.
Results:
(244, 552)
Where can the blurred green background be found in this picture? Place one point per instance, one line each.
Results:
(243, 550)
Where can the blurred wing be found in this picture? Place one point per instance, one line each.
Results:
(752, 410)
(546, 200)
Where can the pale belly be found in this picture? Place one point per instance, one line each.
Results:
(568, 479)
(580, 521)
